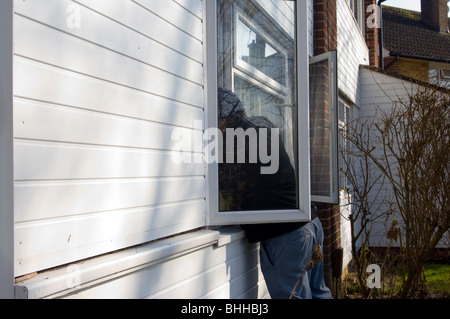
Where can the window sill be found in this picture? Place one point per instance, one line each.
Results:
(229, 234)
(70, 278)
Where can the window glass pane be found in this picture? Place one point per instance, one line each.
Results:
(440, 77)
(445, 78)
(255, 53)
(259, 102)
(446, 74)
(321, 129)
(257, 110)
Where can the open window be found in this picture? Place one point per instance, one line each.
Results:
(344, 119)
(357, 8)
(257, 111)
(324, 128)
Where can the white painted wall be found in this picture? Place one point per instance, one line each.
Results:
(204, 264)
(346, 236)
(98, 91)
(215, 271)
(380, 91)
(352, 52)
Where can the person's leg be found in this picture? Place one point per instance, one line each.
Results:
(282, 262)
(317, 283)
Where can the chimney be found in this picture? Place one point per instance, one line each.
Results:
(373, 35)
(434, 14)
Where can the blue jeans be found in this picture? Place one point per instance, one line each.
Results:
(283, 259)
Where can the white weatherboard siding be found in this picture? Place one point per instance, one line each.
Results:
(203, 264)
(352, 52)
(381, 91)
(346, 235)
(211, 272)
(98, 90)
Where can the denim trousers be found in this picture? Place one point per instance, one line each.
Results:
(284, 258)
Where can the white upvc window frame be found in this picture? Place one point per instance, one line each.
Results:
(357, 8)
(344, 119)
(445, 74)
(333, 94)
(249, 69)
(303, 213)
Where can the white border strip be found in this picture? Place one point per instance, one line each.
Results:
(6, 152)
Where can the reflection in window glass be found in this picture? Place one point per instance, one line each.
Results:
(324, 135)
(254, 50)
(259, 103)
(257, 90)
(320, 129)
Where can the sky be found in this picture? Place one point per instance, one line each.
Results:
(405, 4)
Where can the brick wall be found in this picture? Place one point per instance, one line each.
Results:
(325, 26)
(372, 36)
(325, 40)
(416, 69)
(330, 217)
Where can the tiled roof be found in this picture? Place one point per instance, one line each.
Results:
(406, 35)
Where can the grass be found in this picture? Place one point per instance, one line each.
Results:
(437, 277)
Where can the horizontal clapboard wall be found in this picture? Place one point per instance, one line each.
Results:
(381, 92)
(352, 52)
(226, 272)
(98, 91)
(216, 264)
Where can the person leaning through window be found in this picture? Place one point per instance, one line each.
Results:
(286, 249)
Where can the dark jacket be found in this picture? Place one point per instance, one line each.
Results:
(242, 187)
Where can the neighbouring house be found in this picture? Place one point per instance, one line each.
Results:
(417, 44)
(411, 50)
(382, 89)
(95, 201)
